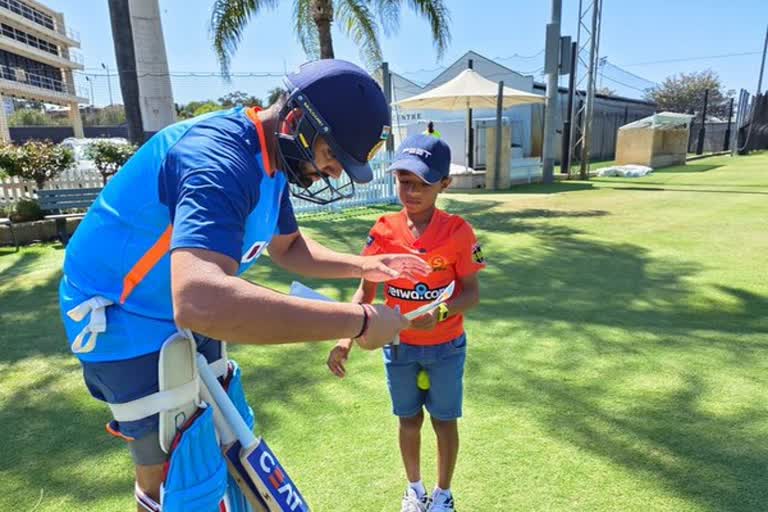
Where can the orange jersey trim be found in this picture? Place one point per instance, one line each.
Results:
(265, 161)
(147, 262)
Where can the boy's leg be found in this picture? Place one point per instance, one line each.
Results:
(444, 404)
(447, 450)
(410, 445)
(407, 405)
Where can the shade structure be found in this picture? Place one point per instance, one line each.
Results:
(469, 89)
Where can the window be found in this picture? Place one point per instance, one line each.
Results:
(29, 39)
(28, 12)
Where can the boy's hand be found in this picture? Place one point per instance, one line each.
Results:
(338, 356)
(425, 322)
(384, 267)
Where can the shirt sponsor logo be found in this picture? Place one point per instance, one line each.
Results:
(421, 293)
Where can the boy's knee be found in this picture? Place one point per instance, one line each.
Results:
(444, 425)
(412, 422)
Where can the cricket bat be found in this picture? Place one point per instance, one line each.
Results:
(264, 482)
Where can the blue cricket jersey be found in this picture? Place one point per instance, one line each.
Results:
(204, 183)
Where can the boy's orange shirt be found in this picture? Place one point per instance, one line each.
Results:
(449, 246)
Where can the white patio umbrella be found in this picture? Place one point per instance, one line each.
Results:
(469, 89)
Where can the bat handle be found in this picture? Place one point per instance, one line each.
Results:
(224, 403)
(396, 340)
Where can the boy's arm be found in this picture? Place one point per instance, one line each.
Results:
(468, 298)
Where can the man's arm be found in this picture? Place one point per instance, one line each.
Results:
(365, 294)
(300, 254)
(209, 299)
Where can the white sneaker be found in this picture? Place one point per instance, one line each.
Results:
(412, 502)
(441, 503)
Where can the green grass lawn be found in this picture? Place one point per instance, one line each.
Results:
(618, 362)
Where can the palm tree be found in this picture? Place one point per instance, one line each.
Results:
(359, 19)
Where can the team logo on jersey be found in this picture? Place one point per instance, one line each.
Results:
(477, 254)
(438, 263)
(254, 252)
(421, 292)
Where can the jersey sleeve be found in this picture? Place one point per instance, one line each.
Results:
(470, 258)
(374, 244)
(210, 212)
(286, 221)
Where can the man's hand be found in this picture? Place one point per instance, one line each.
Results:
(383, 324)
(384, 267)
(338, 356)
(425, 322)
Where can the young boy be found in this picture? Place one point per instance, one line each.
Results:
(428, 367)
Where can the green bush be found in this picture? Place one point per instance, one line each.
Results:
(36, 160)
(27, 211)
(109, 157)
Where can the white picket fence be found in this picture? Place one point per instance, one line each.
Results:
(15, 189)
(380, 191)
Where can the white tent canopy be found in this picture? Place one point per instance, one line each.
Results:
(663, 120)
(468, 89)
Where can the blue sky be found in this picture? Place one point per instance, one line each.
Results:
(636, 35)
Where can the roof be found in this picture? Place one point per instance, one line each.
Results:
(543, 87)
(662, 120)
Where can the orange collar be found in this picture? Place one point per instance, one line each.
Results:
(251, 112)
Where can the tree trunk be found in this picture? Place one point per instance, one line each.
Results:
(122, 36)
(322, 14)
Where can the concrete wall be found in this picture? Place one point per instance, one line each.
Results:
(155, 93)
(654, 148)
(38, 231)
(20, 134)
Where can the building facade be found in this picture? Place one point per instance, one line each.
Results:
(526, 121)
(36, 59)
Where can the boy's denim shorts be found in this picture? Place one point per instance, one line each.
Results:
(444, 363)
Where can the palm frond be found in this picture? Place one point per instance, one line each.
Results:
(228, 19)
(389, 15)
(359, 23)
(306, 29)
(439, 18)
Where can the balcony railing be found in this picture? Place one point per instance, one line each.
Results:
(43, 20)
(23, 76)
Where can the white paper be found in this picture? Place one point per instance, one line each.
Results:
(305, 292)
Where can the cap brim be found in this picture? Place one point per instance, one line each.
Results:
(359, 172)
(415, 166)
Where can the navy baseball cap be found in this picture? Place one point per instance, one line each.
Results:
(349, 106)
(425, 156)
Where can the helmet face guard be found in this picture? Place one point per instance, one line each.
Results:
(295, 150)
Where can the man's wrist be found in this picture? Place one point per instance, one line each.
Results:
(359, 265)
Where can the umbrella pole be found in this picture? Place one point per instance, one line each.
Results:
(466, 140)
